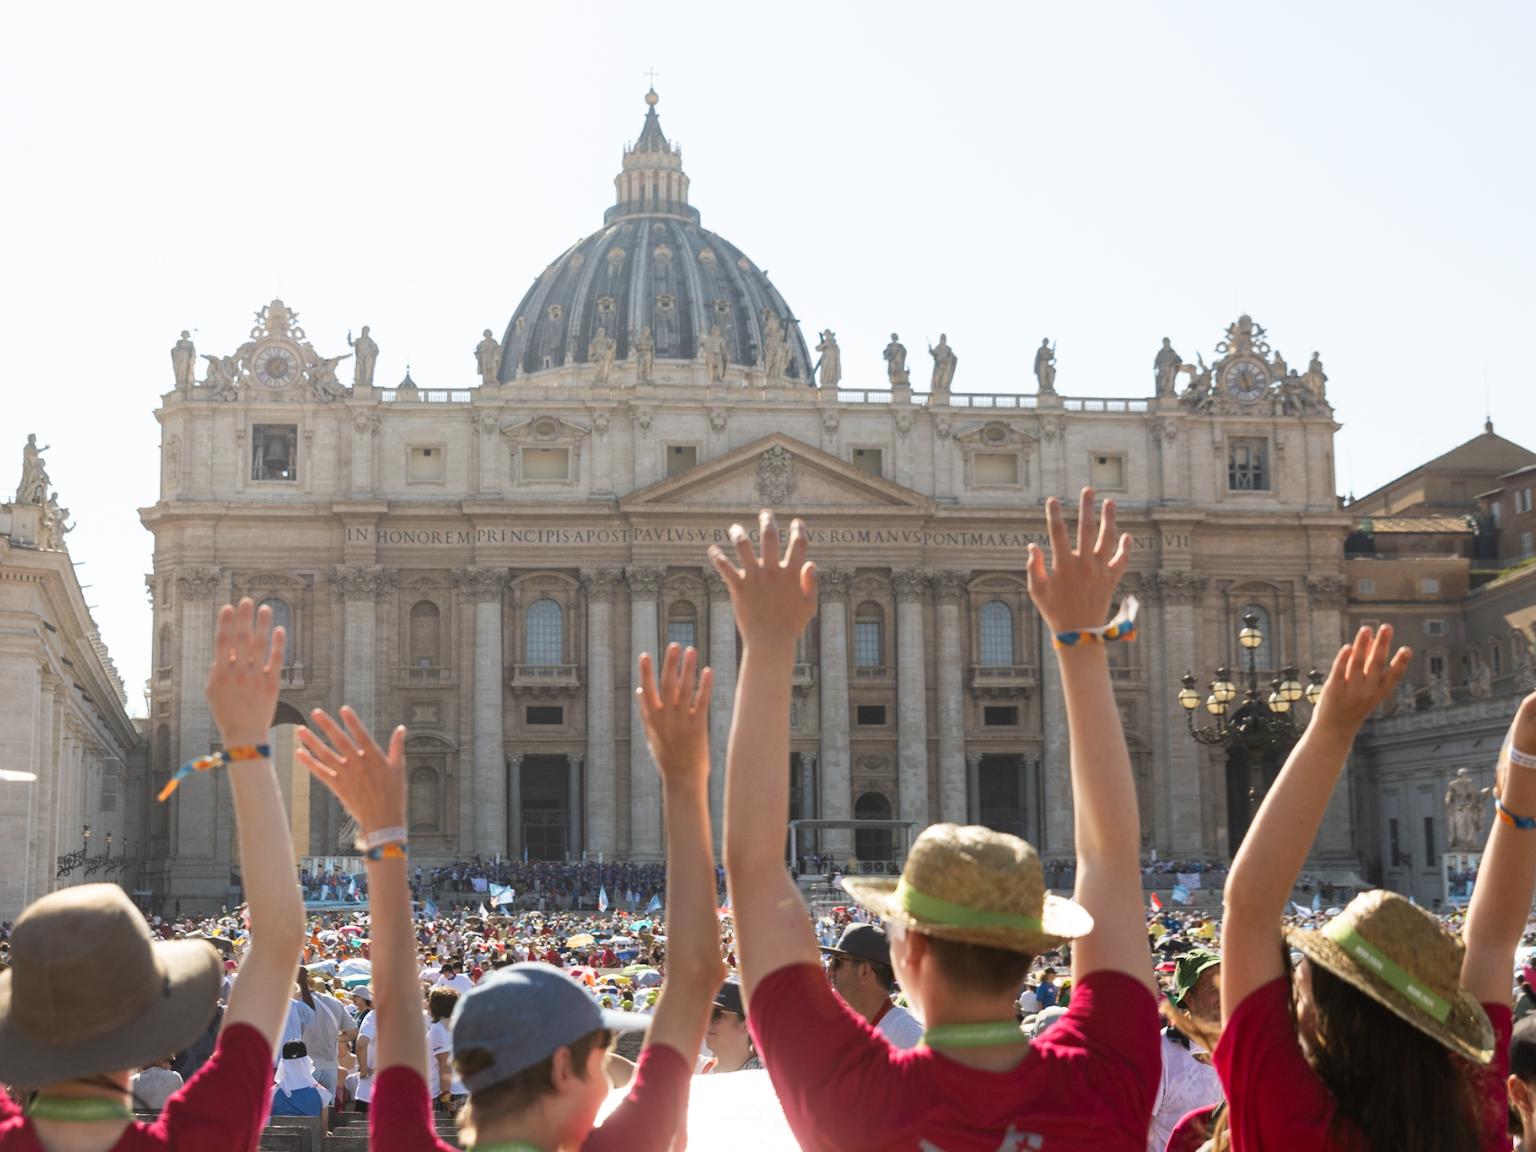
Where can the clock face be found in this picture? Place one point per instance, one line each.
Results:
(276, 367)
(1245, 380)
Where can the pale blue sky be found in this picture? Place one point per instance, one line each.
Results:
(1358, 177)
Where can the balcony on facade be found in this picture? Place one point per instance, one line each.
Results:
(422, 675)
(539, 678)
(1003, 678)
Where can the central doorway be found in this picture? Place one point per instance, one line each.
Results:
(545, 807)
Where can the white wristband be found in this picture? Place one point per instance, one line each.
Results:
(381, 837)
(1523, 759)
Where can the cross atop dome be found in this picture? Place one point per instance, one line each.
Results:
(652, 182)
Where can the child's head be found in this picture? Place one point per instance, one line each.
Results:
(529, 1038)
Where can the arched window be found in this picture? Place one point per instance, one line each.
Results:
(872, 843)
(869, 636)
(545, 643)
(167, 643)
(282, 617)
(423, 802)
(682, 623)
(996, 634)
(426, 634)
(1263, 656)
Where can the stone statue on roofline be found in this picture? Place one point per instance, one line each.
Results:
(367, 353)
(896, 362)
(1165, 367)
(1045, 366)
(184, 360)
(775, 347)
(944, 361)
(1464, 813)
(33, 488)
(645, 355)
(600, 352)
(715, 355)
(488, 358)
(830, 366)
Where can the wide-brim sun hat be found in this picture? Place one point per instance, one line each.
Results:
(89, 991)
(1397, 954)
(976, 886)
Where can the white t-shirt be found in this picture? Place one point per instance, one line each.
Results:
(369, 1028)
(439, 1040)
(459, 982)
(300, 1018)
(900, 1027)
(330, 1018)
(1186, 1084)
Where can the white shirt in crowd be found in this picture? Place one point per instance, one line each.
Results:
(440, 1039)
(1186, 1084)
(459, 982)
(154, 1086)
(321, 1034)
(369, 1028)
(900, 1027)
(300, 1017)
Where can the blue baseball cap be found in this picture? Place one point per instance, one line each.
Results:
(523, 1013)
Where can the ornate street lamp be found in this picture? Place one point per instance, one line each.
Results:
(1255, 720)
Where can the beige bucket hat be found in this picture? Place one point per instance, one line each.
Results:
(89, 991)
(976, 886)
(1398, 955)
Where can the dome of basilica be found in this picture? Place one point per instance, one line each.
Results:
(653, 266)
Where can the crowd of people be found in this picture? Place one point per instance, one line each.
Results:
(961, 1006)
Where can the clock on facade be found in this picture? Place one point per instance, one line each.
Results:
(1245, 379)
(277, 366)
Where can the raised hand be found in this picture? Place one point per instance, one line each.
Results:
(675, 712)
(774, 600)
(243, 682)
(1080, 585)
(1365, 672)
(369, 782)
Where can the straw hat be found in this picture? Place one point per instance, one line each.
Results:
(89, 991)
(1399, 956)
(976, 886)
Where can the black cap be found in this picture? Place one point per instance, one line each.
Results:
(295, 1050)
(1522, 1049)
(863, 942)
(729, 998)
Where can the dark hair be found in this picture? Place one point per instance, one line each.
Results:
(295, 1050)
(1399, 1087)
(441, 1002)
(884, 973)
(521, 1090)
(985, 969)
(302, 980)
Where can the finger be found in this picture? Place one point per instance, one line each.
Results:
(261, 632)
(1122, 555)
(650, 700)
(397, 746)
(1034, 568)
(325, 775)
(768, 532)
(666, 683)
(224, 634)
(245, 624)
(731, 574)
(1397, 669)
(1379, 657)
(366, 744)
(1056, 530)
(1340, 669)
(1106, 529)
(1085, 523)
(331, 730)
(279, 644)
(743, 545)
(1359, 653)
(318, 749)
(686, 676)
(701, 693)
(810, 581)
(794, 559)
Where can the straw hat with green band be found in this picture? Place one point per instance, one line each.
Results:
(977, 886)
(1398, 955)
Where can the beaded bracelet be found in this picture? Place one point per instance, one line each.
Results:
(1122, 627)
(213, 760)
(1517, 757)
(399, 851)
(1524, 823)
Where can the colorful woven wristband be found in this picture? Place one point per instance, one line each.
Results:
(1122, 627)
(393, 851)
(1524, 823)
(213, 760)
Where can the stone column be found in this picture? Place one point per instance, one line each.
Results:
(807, 787)
(364, 425)
(573, 766)
(1176, 780)
(515, 839)
(602, 780)
(1057, 822)
(1327, 598)
(359, 589)
(836, 763)
(45, 824)
(956, 802)
(644, 783)
(973, 787)
(21, 682)
(484, 588)
(722, 658)
(193, 804)
(911, 698)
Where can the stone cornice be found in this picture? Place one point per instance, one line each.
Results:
(644, 583)
(601, 583)
(198, 583)
(481, 585)
(911, 584)
(355, 582)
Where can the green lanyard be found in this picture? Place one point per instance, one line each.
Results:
(507, 1146)
(82, 1109)
(993, 1034)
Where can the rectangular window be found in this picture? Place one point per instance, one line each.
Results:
(1527, 544)
(1434, 627)
(275, 452)
(1394, 848)
(870, 715)
(1430, 859)
(869, 460)
(1430, 585)
(1436, 664)
(1366, 586)
(1496, 658)
(546, 463)
(1000, 716)
(867, 646)
(1496, 510)
(545, 714)
(1248, 465)
(680, 458)
(997, 468)
(425, 466)
(1523, 500)
(1106, 471)
(680, 632)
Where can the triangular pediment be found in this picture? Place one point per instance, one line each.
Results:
(781, 472)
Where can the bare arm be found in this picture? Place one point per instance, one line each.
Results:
(370, 783)
(774, 601)
(1077, 593)
(676, 717)
(1266, 866)
(242, 696)
(1501, 898)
